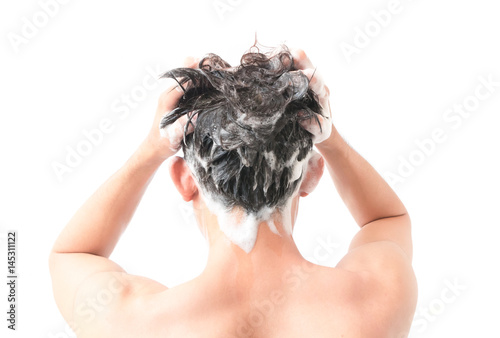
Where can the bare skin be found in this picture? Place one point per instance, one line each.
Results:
(270, 292)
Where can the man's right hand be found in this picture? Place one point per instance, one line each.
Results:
(316, 83)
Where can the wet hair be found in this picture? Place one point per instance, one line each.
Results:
(247, 138)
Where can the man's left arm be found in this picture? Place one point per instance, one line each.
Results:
(79, 264)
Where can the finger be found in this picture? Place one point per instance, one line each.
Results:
(184, 120)
(319, 131)
(316, 82)
(175, 132)
(191, 62)
(300, 59)
(311, 125)
(169, 99)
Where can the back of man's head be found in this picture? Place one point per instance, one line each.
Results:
(247, 148)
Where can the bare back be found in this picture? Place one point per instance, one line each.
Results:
(302, 300)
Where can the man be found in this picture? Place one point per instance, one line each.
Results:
(247, 135)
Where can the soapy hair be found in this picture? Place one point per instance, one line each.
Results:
(247, 139)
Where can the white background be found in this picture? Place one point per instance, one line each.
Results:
(75, 69)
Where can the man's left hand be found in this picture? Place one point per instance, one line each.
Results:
(167, 142)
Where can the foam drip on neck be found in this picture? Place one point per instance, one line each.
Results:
(241, 228)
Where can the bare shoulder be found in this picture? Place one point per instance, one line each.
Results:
(388, 284)
(108, 303)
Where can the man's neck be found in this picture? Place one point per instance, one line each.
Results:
(272, 253)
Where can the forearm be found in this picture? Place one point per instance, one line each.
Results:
(365, 193)
(98, 224)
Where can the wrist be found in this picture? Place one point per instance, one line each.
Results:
(331, 142)
(150, 153)
(334, 146)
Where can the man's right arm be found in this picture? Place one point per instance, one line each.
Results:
(373, 204)
(381, 252)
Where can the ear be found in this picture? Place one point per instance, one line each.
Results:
(313, 174)
(182, 178)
